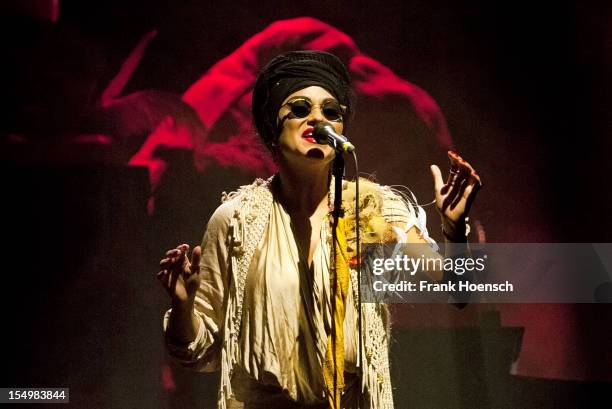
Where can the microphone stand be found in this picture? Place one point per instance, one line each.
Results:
(338, 173)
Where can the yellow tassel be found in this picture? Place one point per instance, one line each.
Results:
(333, 367)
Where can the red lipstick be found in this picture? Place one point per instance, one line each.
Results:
(307, 134)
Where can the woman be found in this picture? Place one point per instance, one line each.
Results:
(255, 300)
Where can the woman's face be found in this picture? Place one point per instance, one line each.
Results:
(301, 111)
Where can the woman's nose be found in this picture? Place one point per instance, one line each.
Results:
(315, 116)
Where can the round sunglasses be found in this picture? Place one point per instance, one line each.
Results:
(301, 108)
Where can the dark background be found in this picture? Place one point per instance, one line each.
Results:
(523, 85)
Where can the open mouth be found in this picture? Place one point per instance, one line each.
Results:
(308, 135)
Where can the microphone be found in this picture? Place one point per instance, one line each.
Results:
(324, 133)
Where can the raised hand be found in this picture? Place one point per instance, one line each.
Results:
(179, 276)
(455, 197)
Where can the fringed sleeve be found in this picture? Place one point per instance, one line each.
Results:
(401, 209)
(202, 354)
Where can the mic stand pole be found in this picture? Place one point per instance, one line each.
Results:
(338, 212)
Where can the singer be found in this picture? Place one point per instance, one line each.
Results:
(257, 300)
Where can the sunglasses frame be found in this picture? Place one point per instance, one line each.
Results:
(293, 115)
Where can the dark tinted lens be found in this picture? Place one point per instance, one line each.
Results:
(300, 108)
(332, 111)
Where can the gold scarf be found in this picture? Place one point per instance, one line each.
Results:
(333, 367)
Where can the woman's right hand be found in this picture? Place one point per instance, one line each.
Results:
(181, 277)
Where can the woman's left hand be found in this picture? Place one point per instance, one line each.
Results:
(455, 197)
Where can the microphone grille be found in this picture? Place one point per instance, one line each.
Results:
(321, 132)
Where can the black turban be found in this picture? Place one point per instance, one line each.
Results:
(291, 72)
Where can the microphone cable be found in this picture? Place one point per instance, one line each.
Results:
(358, 265)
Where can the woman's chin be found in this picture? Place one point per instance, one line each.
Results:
(311, 156)
(315, 153)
